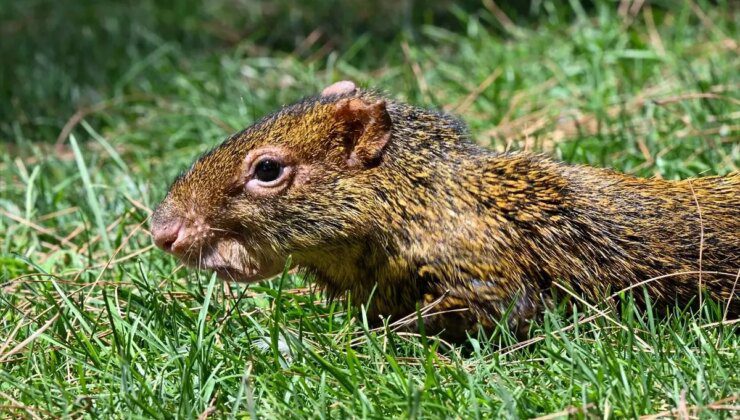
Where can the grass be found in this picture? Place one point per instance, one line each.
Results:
(94, 322)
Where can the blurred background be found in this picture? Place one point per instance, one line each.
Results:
(575, 68)
(62, 55)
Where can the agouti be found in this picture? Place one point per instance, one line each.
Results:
(380, 198)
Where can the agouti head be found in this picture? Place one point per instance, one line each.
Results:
(290, 184)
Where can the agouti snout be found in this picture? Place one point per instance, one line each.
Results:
(385, 200)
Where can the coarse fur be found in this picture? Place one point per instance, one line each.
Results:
(430, 216)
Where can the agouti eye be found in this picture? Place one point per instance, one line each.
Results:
(268, 170)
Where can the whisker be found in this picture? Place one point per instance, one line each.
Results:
(213, 229)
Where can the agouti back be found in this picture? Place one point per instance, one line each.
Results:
(372, 196)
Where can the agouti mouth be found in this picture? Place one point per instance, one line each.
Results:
(227, 266)
(234, 274)
(231, 262)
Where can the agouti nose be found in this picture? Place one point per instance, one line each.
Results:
(167, 233)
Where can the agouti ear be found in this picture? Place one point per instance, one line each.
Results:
(344, 87)
(367, 130)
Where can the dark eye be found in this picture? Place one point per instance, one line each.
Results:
(268, 170)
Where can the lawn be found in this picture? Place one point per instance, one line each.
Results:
(104, 103)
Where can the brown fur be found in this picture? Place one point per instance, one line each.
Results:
(429, 214)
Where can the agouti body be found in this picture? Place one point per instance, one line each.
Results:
(376, 197)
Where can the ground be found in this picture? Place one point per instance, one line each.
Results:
(105, 102)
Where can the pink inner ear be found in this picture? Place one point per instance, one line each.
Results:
(339, 88)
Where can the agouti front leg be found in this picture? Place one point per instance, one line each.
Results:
(458, 311)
